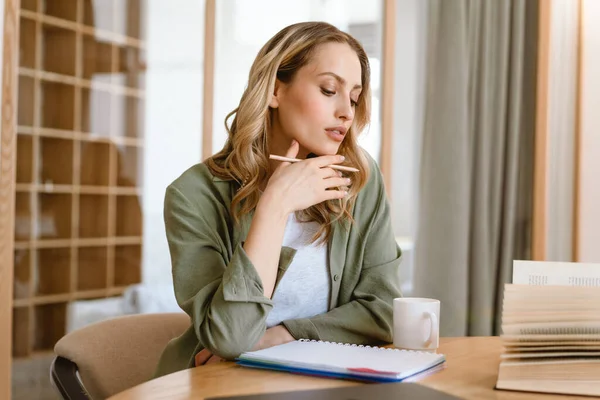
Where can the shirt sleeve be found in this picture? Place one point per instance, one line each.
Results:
(223, 296)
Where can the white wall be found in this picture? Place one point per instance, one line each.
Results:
(589, 199)
(562, 85)
(173, 116)
(409, 89)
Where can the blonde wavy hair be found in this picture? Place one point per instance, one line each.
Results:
(245, 155)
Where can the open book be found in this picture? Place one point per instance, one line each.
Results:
(551, 329)
(346, 361)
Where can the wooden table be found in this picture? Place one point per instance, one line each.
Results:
(470, 373)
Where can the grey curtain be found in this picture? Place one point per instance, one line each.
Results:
(476, 175)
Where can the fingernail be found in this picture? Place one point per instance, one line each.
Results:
(342, 158)
(348, 181)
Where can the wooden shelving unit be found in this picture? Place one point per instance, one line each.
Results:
(80, 149)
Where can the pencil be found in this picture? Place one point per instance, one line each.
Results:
(293, 160)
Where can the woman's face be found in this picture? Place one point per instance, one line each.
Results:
(317, 107)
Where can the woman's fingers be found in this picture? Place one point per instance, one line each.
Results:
(334, 194)
(324, 161)
(213, 360)
(336, 182)
(202, 357)
(327, 172)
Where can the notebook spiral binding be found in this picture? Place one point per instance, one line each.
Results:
(365, 346)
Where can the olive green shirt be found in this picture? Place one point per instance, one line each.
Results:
(219, 288)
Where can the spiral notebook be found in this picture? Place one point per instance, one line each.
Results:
(346, 361)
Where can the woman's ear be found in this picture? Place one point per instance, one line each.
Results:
(274, 103)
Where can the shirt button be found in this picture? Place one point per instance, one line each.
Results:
(336, 277)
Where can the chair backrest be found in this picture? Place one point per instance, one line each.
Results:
(117, 354)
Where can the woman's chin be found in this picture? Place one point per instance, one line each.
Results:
(326, 150)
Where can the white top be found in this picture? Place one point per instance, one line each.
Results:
(303, 291)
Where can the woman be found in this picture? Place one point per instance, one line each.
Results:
(265, 252)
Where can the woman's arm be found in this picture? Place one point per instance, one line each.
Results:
(367, 318)
(229, 300)
(265, 236)
(224, 298)
(290, 188)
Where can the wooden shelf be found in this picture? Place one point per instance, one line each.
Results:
(93, 216)
(24, 159)
(53, 317)
(92, 14)
(97, 58)
(21, 332)
(83, 136)
(80, 147)
(65, 298)
(63, 9)
(31, 5)
(56, 170)
(22, 274)
(78, 242)
(26, 100)
(127, 265)
(83, 28)
(129, 166)
(114, 190)
(99, 84)
(58, 49)
(92, 268)
(131, 26)
(129, 216)
(131, 65)
(128, 116)
(23, 216)
(68, 189)
(58, 104)
(52, 272)
(27, 45)
(92, 155)
(54, 219)
(95, 111)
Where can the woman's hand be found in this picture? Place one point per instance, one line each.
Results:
(300, 185)
(272, 337)
(205, 357)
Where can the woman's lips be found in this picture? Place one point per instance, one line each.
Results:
(334, 134)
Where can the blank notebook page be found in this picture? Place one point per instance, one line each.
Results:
(329, 356)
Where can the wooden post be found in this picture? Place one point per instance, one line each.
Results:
(387, 92)
(541, 135)
(10, 56)
(578, 117)
(209, 78)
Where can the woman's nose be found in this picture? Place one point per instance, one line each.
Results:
(345, 110)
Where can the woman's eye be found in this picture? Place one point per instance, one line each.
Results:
(354, 103)
(327, 92)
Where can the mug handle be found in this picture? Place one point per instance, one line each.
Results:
(433, 331)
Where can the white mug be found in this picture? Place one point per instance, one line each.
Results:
(416, 323)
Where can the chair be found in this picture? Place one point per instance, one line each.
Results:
(107, 357)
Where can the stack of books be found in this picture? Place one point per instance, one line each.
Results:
(551, 338)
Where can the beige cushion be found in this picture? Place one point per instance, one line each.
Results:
(119, 353)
